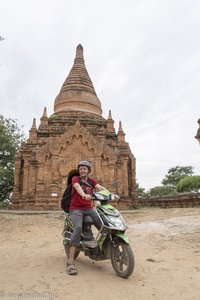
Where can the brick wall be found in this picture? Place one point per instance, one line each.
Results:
(176, 200)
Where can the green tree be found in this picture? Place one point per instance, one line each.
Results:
(10, 139)
(160, 191)
(140, 190)
(175, 174)
(189, 184)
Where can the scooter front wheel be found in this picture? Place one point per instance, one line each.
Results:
(122, 259)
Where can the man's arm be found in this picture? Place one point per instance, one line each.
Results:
(99, 187)
(80, 191)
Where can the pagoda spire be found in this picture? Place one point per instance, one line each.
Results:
(45, 113)
(110, 123)
(79, 52)
(44, 119)
(34, 124)
(109, 114)
(197, 136)
(33, 133)
(77, 92)
(121, 134)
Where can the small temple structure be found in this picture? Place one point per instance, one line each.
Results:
(76, 131)
(197, 136)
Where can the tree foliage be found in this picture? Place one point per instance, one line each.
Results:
(175, 174)
(189, 184)
(140, 190)
(178, 179)
(160, 191)
(10, 139)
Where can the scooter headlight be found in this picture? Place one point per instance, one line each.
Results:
(118, 223)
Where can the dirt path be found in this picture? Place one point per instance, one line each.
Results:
(166, 244)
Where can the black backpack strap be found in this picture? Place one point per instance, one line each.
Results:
(74, 188)
(91, 182)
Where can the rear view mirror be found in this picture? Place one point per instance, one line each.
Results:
(112, 196)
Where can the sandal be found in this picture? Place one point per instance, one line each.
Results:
(71, 269)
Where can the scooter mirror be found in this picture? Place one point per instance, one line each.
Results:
(112, 197)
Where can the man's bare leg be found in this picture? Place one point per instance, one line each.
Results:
(72, 252)
(71, 269)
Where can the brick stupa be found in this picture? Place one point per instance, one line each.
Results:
(46, 163)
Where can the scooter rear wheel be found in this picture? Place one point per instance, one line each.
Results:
(122, 259)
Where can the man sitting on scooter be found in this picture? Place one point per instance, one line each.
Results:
(81, 205)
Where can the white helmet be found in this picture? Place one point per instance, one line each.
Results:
(85, 163)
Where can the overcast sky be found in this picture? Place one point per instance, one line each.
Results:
(143, 57)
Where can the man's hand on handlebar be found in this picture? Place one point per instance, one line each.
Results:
(116, 198)
(87, 197)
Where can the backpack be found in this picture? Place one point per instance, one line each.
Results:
(67, 195)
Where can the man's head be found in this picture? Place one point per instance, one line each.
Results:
(84, 168)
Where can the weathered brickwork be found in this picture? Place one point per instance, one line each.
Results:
(176, 200)
(76, 131)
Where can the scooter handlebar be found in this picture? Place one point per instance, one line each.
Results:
(111, 196)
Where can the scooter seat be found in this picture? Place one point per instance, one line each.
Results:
(90, 244)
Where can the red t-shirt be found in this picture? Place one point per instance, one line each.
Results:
(77, 202)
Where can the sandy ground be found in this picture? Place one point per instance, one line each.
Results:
(166, 244)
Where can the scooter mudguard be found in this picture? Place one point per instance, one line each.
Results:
(123, 237)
